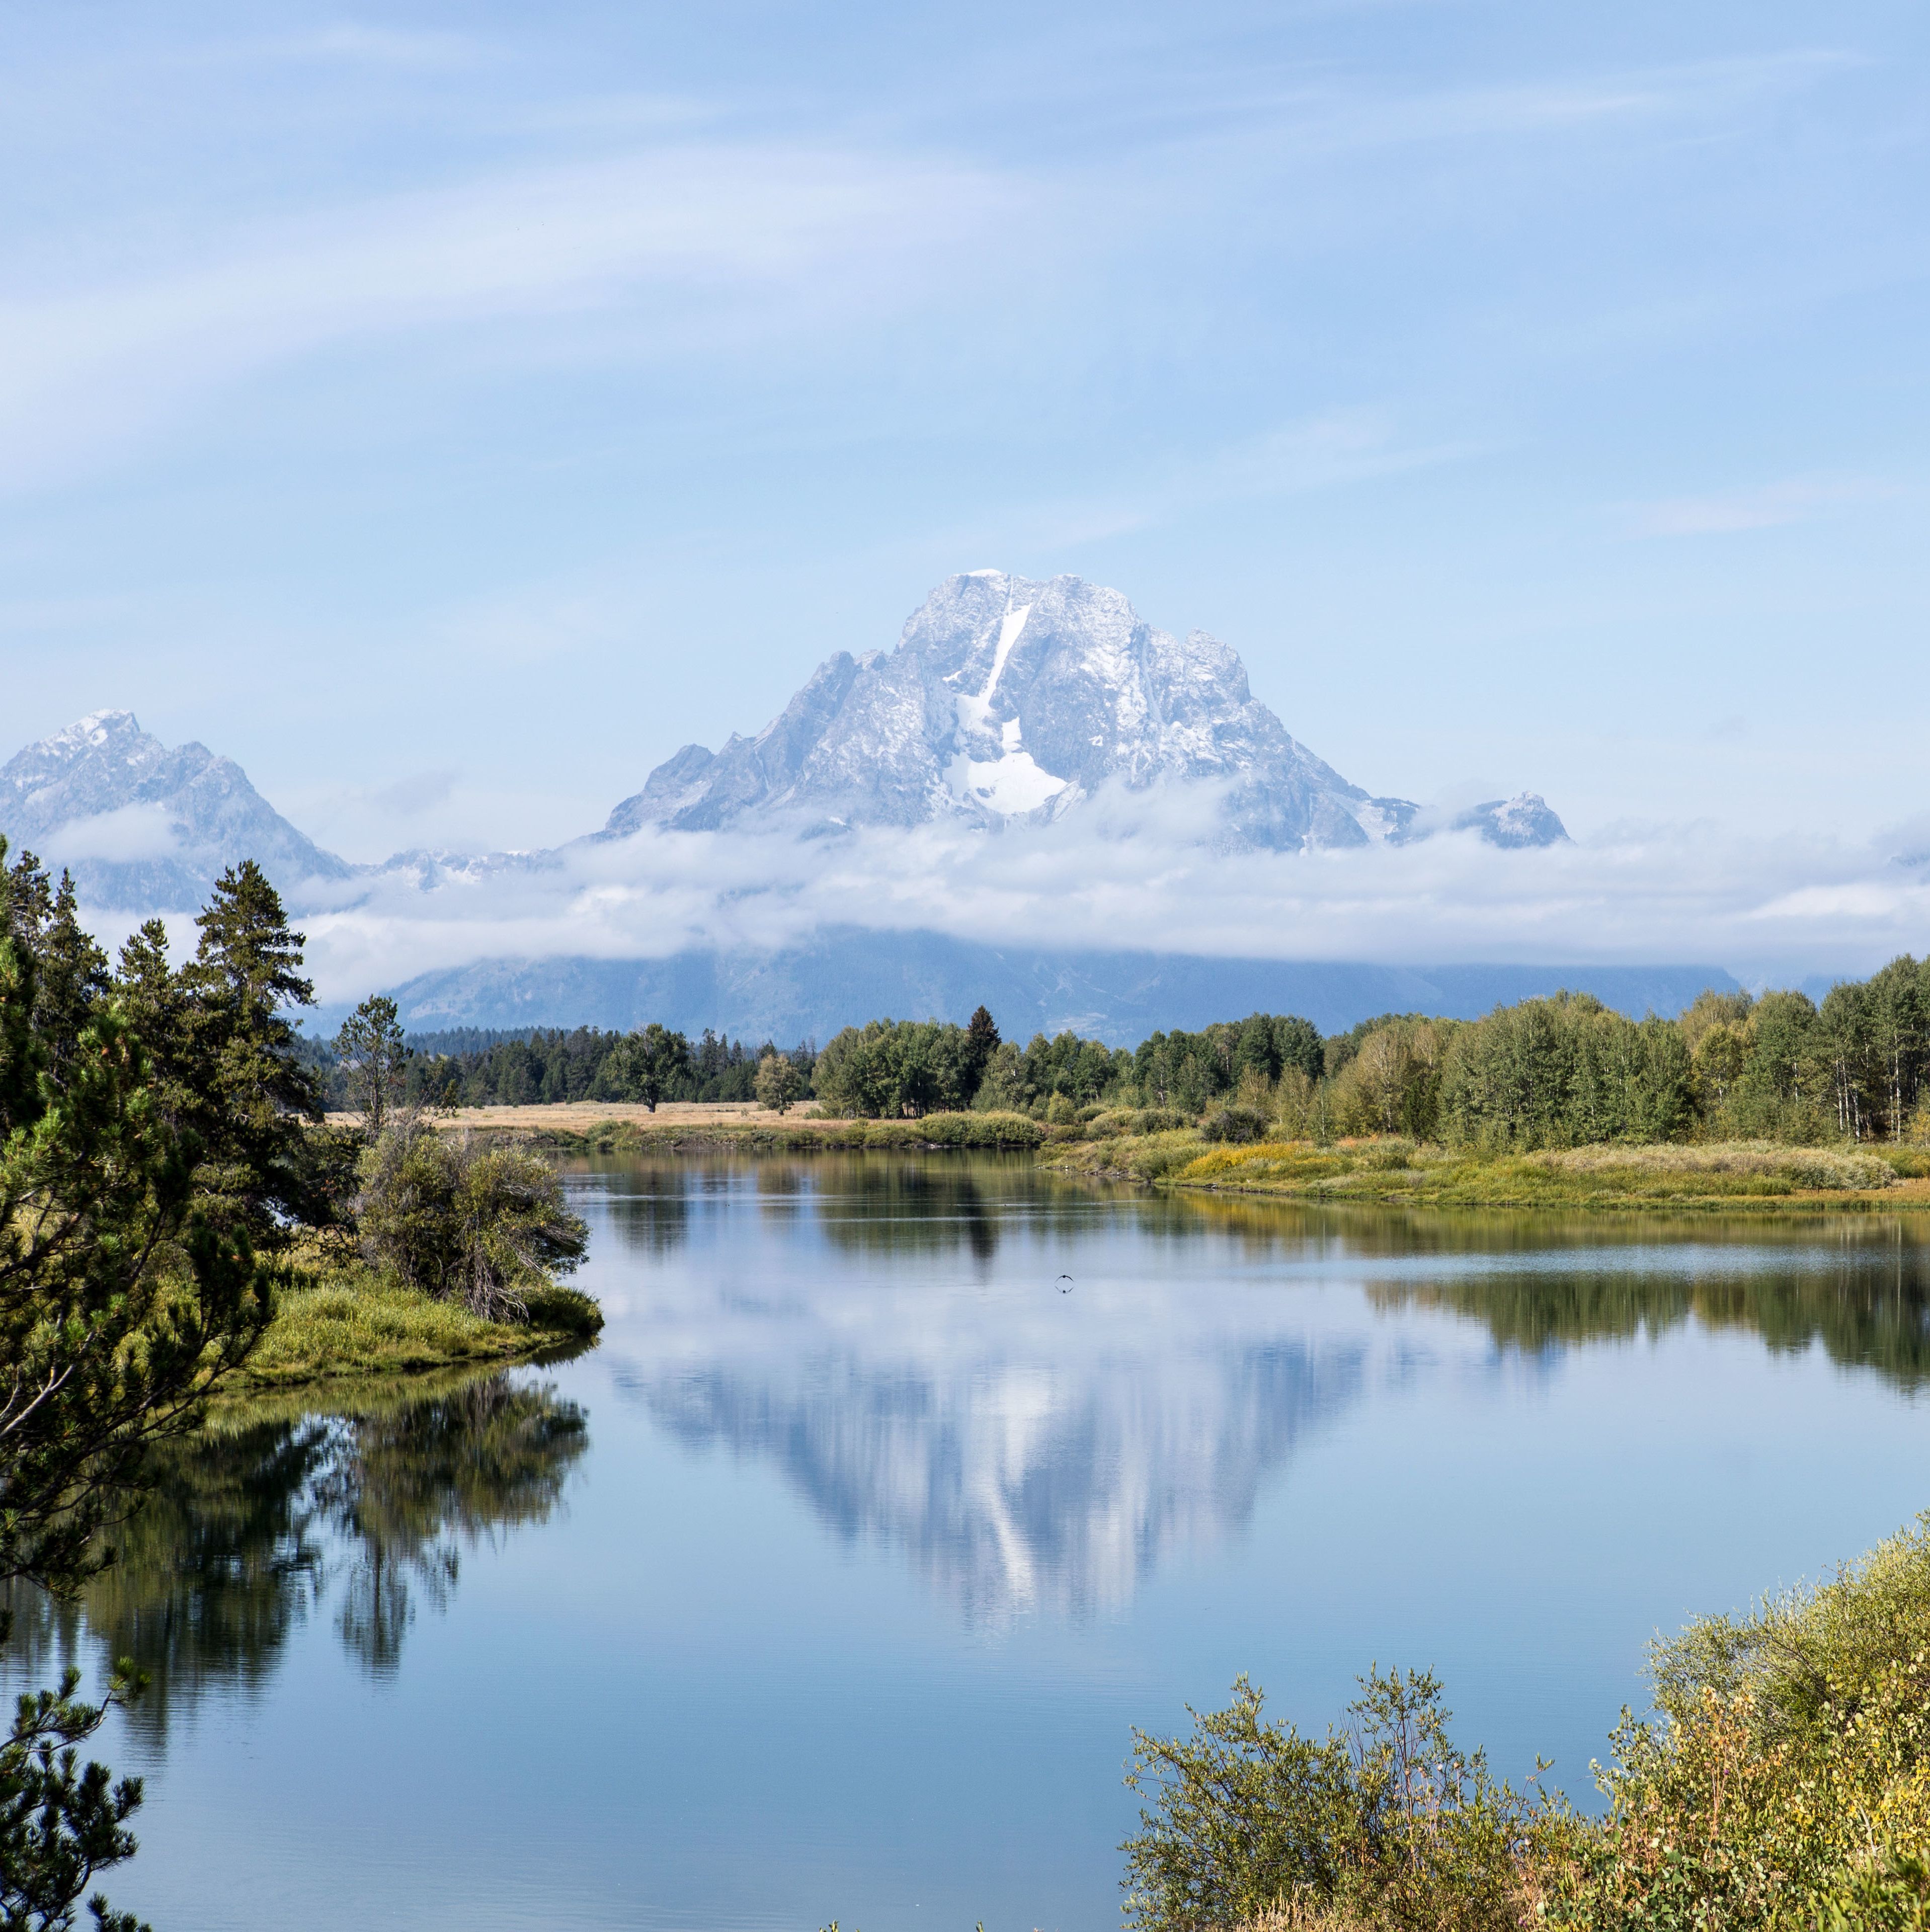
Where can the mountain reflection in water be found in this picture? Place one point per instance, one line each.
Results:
(1030, 1453)
(271, 1515)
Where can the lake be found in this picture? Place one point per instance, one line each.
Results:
(832, 1583)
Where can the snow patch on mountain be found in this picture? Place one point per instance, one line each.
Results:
(1009, 699)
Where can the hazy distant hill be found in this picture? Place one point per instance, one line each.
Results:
(847, 976)
(1010, 698)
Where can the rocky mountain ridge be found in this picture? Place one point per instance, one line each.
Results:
(1011, 699)
(142, 825)
(1007, 700)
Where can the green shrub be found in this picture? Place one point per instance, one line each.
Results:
(484, 1225)
(1240, 1125)
(1386, 1823)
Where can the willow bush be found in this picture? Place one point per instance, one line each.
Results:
(1780, 1783)
(482, 1224)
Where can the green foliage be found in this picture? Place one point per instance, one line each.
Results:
(1785, 1780)
(780, 1085)
(1189, 1070)
(482, 1225)
(227, 1069)
(647, 1065)
(121, 1303)
(473, 1067)
(60, 1824)
(1387, 1821)
(124, 1298)
(374, 1060)
(1560, 1071)
(892, 1068)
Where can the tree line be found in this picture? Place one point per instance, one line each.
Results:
(537, 1066)
(1558, 1072)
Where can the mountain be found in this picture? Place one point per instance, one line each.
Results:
(1010, 698)
(843, 977)
(142, 827)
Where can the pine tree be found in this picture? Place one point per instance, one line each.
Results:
(371, 1050)
(120, 1310)
(981, 1043)
(247, 1099)
(73, 973)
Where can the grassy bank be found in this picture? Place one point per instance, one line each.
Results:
(1742, 1177)
(334, 1323)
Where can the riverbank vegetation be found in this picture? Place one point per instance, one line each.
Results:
(1394, 1171)
(163, 1154)
(1782, 1780)
(334, 1322)
(1552, 1073)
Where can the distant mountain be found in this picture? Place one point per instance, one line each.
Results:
(1007, 699)
(845, 975)
(1010, 698)
(143, 827)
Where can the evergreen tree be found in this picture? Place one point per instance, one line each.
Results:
(981, 1042)
(246, 1096)
(371, 1048)
(72, 977)
(121, 1308)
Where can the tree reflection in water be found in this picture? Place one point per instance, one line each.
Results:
(256, 1523)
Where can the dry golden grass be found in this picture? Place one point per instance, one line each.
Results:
(576, 1116)
(1803, 1167)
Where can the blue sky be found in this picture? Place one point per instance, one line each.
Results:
(448, 412)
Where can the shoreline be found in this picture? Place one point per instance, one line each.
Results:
(1759, 1180)
(343, 1327)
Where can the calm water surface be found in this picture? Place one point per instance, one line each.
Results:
(832, 1582)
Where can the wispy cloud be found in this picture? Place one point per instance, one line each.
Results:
(1332, 450)
(1766, 506)
(346, 43)
(697, 242)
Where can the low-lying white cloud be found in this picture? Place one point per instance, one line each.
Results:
(1129, 872)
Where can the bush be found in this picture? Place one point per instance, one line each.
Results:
(1238, 1124)
(1386, 1823)
(956, 1130)
(1786, 1779)
(485, 1225)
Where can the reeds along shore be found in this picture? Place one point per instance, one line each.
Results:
(338, 1319)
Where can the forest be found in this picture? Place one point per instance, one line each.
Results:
(1556, 1073)
(534, 1067)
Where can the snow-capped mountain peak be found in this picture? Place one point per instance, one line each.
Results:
(1009, 698)
(141, 824)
